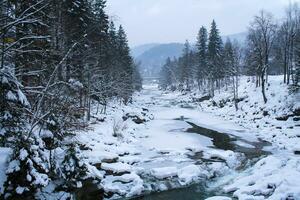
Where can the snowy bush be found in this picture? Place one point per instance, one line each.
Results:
(73, 169)
(118, 127)
(13, 104)
(28, 169)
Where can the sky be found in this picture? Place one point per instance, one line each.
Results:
(165, 21)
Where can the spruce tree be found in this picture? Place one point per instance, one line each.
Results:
(214, 55)
(125, 66)
(186, 65)
(202, 56)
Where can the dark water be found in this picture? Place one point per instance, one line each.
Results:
(221, 141)
(226, 142)
(194, 192)
(197, 191)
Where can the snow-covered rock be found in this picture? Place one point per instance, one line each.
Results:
(164, 172)
(218, 198)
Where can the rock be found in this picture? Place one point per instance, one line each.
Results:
(110, 160)
(297, 112)
(201, 99)
(145, 109)
(89, 191)
(265, 113)
(135, 118)
(296, 119)
(282, 118)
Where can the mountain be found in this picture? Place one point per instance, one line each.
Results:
(153, 56)
(153, 59)
(138, 50)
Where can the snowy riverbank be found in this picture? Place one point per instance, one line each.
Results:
(278, 122)
(160, 143)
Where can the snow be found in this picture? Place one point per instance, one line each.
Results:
(189, 174)
(160, 154)
(228, 156)
(218, 198)
(23, 154)
(164, 172)
(116, 167)
(272, 176)
(156, 155)
(20, 190)
(255, 120)
(4, 155)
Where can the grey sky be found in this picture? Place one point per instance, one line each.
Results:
(162, 21)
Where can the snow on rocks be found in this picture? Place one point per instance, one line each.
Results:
(271, 177)
(164, 172)
(189, 174)
(116, 168)
(162, 153)
(231, 158)
(218, 198)
(125, 185)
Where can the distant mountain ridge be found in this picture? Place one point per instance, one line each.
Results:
(138, 50)
(153, 56)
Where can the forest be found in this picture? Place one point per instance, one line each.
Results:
(271, 48)
(79, 122)
(56, 58)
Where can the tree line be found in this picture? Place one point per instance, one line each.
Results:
(57, 59)
(271, 48)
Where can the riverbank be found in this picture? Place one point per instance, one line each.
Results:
(165, 145)
(277, 122)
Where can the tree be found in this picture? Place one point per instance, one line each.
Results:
(201, 55)
(185, 65)
(261, 39)
(231, 58)
(214, 55)
(166, 74)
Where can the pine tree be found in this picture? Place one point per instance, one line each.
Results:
(201, 55)
(214, 55)
(166, 74)
(186, 65)
(125, 66)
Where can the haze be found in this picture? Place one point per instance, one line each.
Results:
(164, 21)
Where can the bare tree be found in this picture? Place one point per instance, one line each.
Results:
(261, 38)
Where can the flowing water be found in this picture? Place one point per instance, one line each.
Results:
(221, 141)
(225, 141)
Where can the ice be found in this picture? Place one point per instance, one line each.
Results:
(163, 149)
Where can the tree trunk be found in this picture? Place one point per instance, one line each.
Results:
(263, 86)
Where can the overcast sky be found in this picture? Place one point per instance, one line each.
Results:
(163, 21)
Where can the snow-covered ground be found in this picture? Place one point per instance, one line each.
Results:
(160, 154)
(275, 176)
(147, 146)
